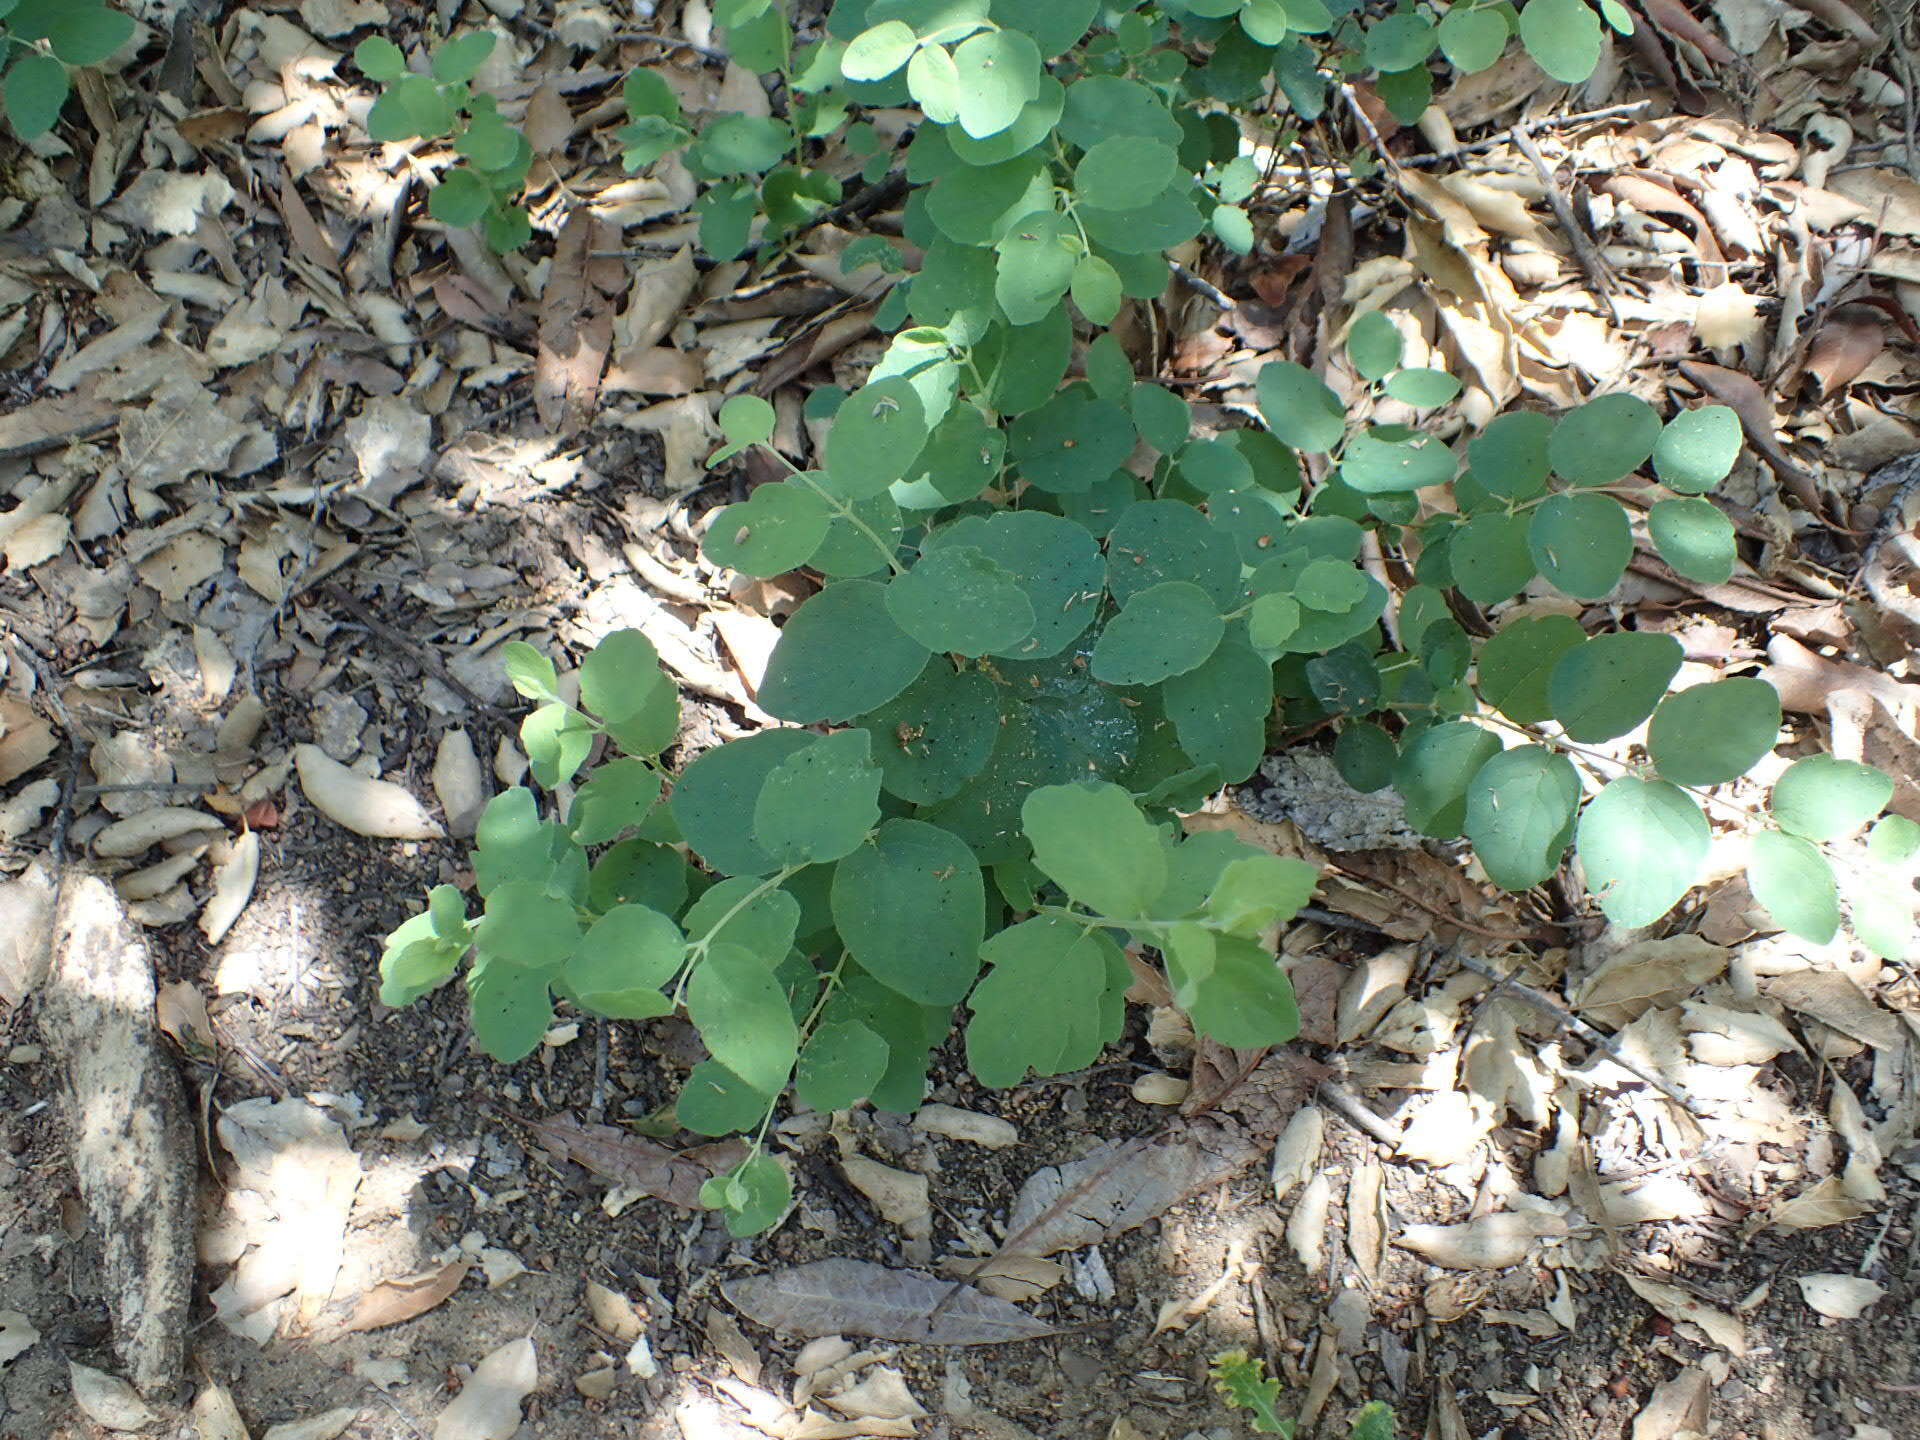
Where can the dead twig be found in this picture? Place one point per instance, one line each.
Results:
(1536, 126)
(1599, 276)
(428, 660)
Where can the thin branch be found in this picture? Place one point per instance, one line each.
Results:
(1599, 276)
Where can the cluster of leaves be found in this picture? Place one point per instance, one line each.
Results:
(830, 930)
(39, 39)
(1245, 1385)
(1033, 648)
(494, 156)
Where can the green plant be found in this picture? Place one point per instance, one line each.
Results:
(39, 40)
(1245, 1384)
(1053, 619)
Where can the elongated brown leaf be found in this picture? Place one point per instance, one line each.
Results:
(392, 1301)
(632, 1161)
(576, 323)
(857, 1297)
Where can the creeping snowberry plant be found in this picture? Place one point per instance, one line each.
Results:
(1051, 619)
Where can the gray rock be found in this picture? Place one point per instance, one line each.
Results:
(1303, 786)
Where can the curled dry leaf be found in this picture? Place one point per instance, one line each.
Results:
(377, 808)
(1827, 1203)
(1307, 1226)
(856, 1297)
(215, 1416)
(459, 783)
(1650, 973)
(1839, 1297)
(234, 874)
(1296, 1154)
(614, 1314)
(107, 1400)
(488, 1406)
(1446, 1129)
(1678, 1306)
(136, 834)
(1491, 1242)
(17, 1336)
(180, 1010)
(969, 1125)
(392, 1301)
(633, 1162)
(1676, 1408)
(899, 1195)
(327, 1425)
(1726, 317)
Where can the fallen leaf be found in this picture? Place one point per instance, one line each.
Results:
(1824, 1204)
(17, 1336)
(989, 1131)
(327, 1425)
(392, 1301)
(365, 806)
(1835, 1001)
(856, 1297)
(1676, 1407)
(1648, 973)
(630, 1161)
(1491, 1242)
(1839, 1297)
(180, 1010)
(1681, 1308)
(234, 873)
(1012, 1277)
(1307, 1226)
(1296, 1154)
(488, 1406)
(576, 322)
(1727, 316)
(215, 1416)
(1446, 1129)
(107, 1400)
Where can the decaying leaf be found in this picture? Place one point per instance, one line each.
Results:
(365, 806)
(107, 1400)
(1678, 1306)
(488, 1405)
(1013, 1276)
(327, 1425)
(392, 1301)
(1677, 1407)
(1307, 1226)
(630, 1161)
(1835, 1001)
(855, 1297)
(1827, 1203)
(1296, 1154)
(1839, 1297)
(1727, 316)
(1446, 1128)
(1491, 1242)
(180, 1010)
(236, 867)
(1646, 974)
(215, 1416)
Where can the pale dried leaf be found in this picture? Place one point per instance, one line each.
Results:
(1646, 974)
(882, 1395)
(1835, 1001)
(1490, 1242)
(971, 1126)
(1891, 197)
(1307, 1226)
(1678, 1306)
(1676, 1407)
(36, 542)
(107, 1400)
(488, 1406)
(1296, 1155)
(1012, 1276)
(392, 1301)
(365, 806)
(215, 1416)
(1839, 1297)
(855, 1297)
(136, 834)
(327, 1425)
(1817, 1207)
(614, 1314)
(180, 1010)
(234, 874)
(1727, 316)
(1446, 1129)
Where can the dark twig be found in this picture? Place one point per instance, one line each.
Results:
(428, 659)
(672, 42)
(1534, 127)
(1599, 275)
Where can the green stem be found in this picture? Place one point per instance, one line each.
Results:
(697, 949)
(840, 508)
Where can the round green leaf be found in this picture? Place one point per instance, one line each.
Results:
(716, 794)
(999, 73)
(1265, 21)
(840, 655)
(618, 797)
(621, 678)
(1697, 449)
(1714, 733)
(819, 803)
(1602, 689)
(1093, 842)
(1435, 771)
(1331, 585)
(525, 925)
(460, 199)
(1422, 388)
(1115, 173)
(1035, 265)
(1374, 346)
(876, 53)
(715, 1101)
(1071, 442)
(1387, 467)
(1038, 1007)
(1096, 289)
(459, 60)
(957, 599)
(1298, 408)
(1105, 107)
(1491, 560)
(877, 434)
(1893, 842)
(1641, 842)
(1163, 418)
(775, 529)
(1274, 621)
(1822, 798)
(934, 82)
(1400, 41)
(756, 1195)
(1057, 562)
(911, 907)
(511, 1011)
(763, 923)
(1473, 38)
(1509, 457)
(1581, 543)
(1605, 438)
(1795, 883)
(741, 1012)
(380, 59)
(1233, 227)
(1247, 1000)
(1520, 815)
(84, 34)
(1365, 755)
(1563, 37)
(623, 961)
(33, 92)
(1055, 25)
(936, 734)
(1694, 537)
(1165, 630)
(1220, 710)
(840, 1066)
(1154, 541)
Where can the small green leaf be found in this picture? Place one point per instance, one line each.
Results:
(777, 528)
(1423, 389)
(525, 925)
(1038, 1006)
(877, 52)
(743, 1017)
(934, 82)
(715, 794)
(87, 34)
(1510, 456)
(460, 199)
(529, 672)
(877, 434)
(1400, 41)
(1491, 558)
(1435, 771)
(1697, 449)
(818, 804)
(621, 679)
(380, 59)
(33, 92)
(840, 1066)
(1092, 840)
(1641, 843)
(715, 1101)
(1219, 711)
(1258, 891)
(511, 1011)
(416, 961)
(1609, 437)
(999, 73)
(1714, 733)
(1516, 664)
(911, 907)
(1233, 227)
(742, 911)
(1520, 815)
(1795, 883)
(1035, 265)
(1473, 38)
(1581, 543)
(840, 655)
(753, 1197)
(1563, 37)
(1374, 346)
(1247, 1001)
(1244, 1383)
(1375, 466)
(1164, 631)
(1893, 842)
(1821, 798)
(623, 961)
(1602, 689)
(459, 60)
(1299, 408)
(957, 599)
(619, 796)
(557, 740)
(936, 734)
(1116, 172)
(1694, 537)
(1095, 288)
(1273, 621)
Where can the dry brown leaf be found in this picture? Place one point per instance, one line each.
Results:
(1727, 317)
(236, 866)
(1678, 1306)
(1490, 1242)
(856, 1297)
(1891, 197)
(1835, 1001)
(1839, 1297)
(488, 1405)
(1016, 1278)
(630, 1161)
(180, 1010)
(1646, 974)
(392, 1301)
(576, 322)
(1676, 1407)
(1816, 1208)
(1844, 347)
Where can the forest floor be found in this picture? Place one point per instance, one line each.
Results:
(284, 462)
